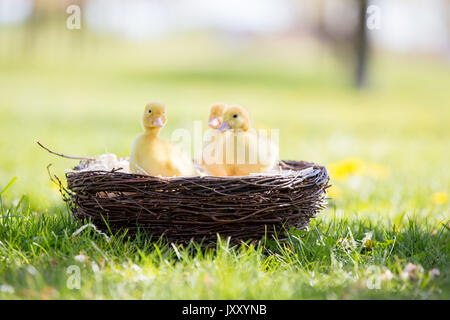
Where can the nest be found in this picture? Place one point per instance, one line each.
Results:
(199, 208)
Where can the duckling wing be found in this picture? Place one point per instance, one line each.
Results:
(181, 163)
(267, 150)
(260, 153)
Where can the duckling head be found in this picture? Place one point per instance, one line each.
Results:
(154, 115)
(215, 115)
(236, 118)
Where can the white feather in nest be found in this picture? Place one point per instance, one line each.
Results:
(106, 162)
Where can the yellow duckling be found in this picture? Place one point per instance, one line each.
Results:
(152, 156)
(211, 140)
(216, 115)
(244, 150)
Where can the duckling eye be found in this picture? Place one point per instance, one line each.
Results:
(149, 110)
(235, 115)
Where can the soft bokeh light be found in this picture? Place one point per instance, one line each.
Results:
(291, 63)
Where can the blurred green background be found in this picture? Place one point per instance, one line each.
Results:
(81, 92)
(371, 101)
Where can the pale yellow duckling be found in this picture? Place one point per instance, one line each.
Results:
(211, 140)
(244, 150)
(216, 115)
(152, 156)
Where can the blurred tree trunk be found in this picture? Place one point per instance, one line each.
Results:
(361, 46)
(31, 32)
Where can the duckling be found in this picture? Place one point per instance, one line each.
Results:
(211, 139)
(245, 151)
(152, 156)
(216, 114)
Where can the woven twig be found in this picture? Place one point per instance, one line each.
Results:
(199, 208)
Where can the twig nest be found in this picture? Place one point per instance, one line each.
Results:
(198, 208)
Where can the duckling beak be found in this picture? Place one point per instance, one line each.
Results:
(158, 122)
(214, 123)
(224, 126)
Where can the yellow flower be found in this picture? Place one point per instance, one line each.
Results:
(369, 244)
(439, 198)
(343, 169)
(287, 249)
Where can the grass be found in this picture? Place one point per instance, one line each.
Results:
(38, 250)
(387, 150)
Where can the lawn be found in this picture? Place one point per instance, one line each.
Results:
(384, 234)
